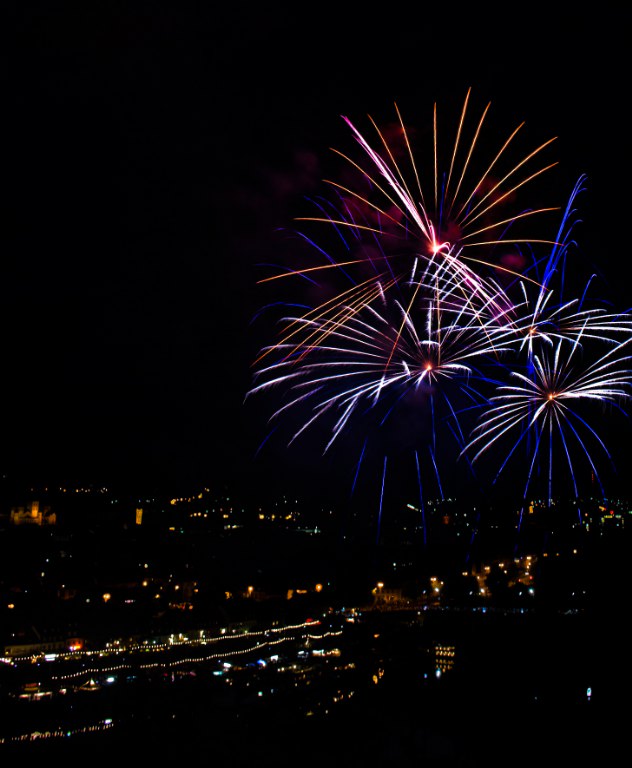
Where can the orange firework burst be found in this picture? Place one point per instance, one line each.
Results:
(459, 213)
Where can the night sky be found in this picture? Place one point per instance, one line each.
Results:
(150, 153)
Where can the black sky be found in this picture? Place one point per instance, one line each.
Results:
(151, 150)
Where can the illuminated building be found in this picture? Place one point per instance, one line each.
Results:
(444, 657)
(32, 514)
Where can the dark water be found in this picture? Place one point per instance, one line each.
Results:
(524, 688)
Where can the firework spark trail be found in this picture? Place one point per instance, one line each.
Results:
(550, 325)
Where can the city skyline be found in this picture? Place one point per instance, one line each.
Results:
(147, 630)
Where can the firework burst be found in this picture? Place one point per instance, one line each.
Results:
(374, 355)
(547, 410)
(455, 215)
